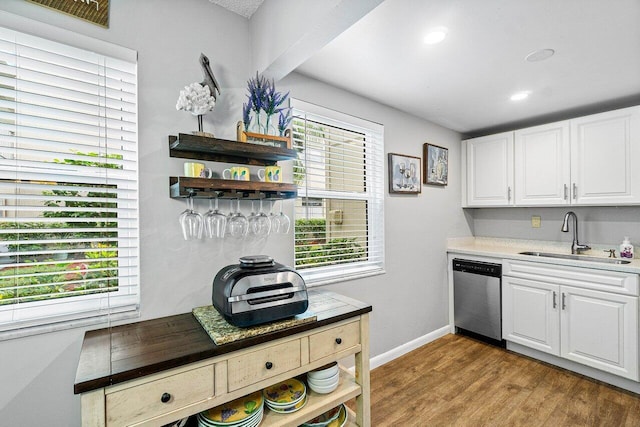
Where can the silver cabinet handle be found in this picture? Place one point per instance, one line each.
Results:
(564, 301)
(575, 191)
(566, 190)
(555, 303)
(509, 193)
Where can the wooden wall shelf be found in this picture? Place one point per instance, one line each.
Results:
(189, 146)
(206, 188)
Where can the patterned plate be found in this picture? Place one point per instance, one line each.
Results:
(285, 393)
(323, 420)
(291, 409)
(342, 418)
(235, 411)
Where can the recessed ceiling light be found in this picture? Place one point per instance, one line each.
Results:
(539, 55)
(519, 96)
(436, 35)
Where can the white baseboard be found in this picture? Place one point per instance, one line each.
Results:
(394, 353)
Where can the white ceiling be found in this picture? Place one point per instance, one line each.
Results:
(244, 8)
(464, 83)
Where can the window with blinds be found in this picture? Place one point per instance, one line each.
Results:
(339, 223)
(68, 182)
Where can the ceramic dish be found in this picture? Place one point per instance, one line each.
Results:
(286, 393)
(326, 381)
(323, 372)
(323, 390)
(342, 418)
(294, 408)
(234, 412)
(323, 420)
(250, 421)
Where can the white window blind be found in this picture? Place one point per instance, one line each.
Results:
(68, 183)
(339, 212)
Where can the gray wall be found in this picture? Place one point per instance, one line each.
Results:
(410, 300)
(596, 225)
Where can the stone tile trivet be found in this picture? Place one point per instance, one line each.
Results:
(221, 332)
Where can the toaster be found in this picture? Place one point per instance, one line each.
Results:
(258, 290)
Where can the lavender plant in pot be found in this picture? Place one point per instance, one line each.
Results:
(264, 113)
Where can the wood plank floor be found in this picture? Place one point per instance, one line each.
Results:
(458, 381)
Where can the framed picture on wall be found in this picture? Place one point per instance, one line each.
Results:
(404, 174)
(436, 164)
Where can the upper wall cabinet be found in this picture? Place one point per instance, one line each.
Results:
(585, 161)
(605, 154)
(542, 172)
(490, 170)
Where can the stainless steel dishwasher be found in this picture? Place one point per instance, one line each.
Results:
(477, 299)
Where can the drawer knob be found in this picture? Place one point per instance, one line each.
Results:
(338, 340)
(165, 397)
(268, 365)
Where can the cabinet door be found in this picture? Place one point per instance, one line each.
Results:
(542, 165)
(605, 151)
(490, 170)
(599, 329)
(530, 314)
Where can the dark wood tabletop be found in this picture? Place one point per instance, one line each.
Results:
(122, 353)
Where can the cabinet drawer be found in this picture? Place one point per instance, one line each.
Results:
(144, 401)
(258, 365)
(580, 277)
(334, 340)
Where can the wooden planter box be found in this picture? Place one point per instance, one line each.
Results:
(262, 139)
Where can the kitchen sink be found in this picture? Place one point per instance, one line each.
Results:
(577, 257)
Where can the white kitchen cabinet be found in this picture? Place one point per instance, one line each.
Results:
(490, 170)
(579, 314)
(589, 161)
(542, 165)
(530, 314)
(605, 153)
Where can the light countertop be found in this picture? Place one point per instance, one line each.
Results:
(511, 248)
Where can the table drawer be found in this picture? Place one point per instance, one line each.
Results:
(258, 365)
(334, 340)
(145, 401)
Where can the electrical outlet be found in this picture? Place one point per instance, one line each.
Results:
(536, 221)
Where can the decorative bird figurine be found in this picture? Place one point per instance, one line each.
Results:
(209, 78)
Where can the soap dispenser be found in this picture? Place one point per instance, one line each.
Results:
(626, 248)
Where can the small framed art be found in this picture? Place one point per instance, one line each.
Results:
(404, 174)
(436, 164)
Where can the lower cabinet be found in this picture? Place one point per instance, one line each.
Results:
(556, 316)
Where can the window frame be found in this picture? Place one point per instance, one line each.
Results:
(373, 195)
(83, 309)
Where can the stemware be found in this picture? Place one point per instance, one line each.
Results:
(252, 217)
(237, 224)
(274, 219)
(191, 222)
(215, 222)
(261, 225)
(285, 222)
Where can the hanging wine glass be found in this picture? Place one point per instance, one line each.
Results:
(237, 224)
(285, 222)
(274, 219)
(253, 216)
(261, 225)
(191, 222)
(215, 222)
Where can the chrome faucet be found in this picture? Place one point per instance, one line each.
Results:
(576, 247)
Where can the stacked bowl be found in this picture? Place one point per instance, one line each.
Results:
(246, 411)
(335, 417)
(286, 397)
(325, 379)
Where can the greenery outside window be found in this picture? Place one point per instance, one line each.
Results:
(339, 231)
(68, 182)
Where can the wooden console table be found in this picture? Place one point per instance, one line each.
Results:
(157, 371)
